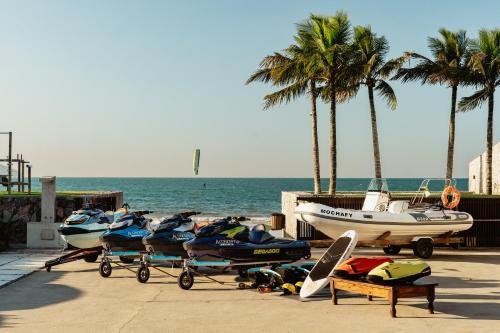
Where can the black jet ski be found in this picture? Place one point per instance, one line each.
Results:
(227, 239)
(168, 236)
(126, 232)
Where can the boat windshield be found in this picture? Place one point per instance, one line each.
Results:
(378, 185)
(431, 185)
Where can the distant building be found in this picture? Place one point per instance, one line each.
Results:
(477, 172)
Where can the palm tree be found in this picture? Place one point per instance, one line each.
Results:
(448, 67)
(374, 70)
(484, 64)
(329, 38)
(297, 71)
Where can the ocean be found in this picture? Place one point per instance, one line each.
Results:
(251, 197)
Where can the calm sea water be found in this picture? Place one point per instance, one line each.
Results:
(217, 196)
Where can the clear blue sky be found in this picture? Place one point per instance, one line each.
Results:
(130, 88)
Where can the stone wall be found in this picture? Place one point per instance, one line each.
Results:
(17, 210)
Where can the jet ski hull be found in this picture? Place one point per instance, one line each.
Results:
(125, 240)
(169, 243)
(84, 240)
(222, 248)
(370, 225)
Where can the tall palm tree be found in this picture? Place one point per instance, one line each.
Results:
(447, 67)
(329, 38)
(371, 51)
(297, 72)
(484, 64)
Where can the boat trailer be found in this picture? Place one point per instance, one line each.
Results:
(89, 255)
(422, 246)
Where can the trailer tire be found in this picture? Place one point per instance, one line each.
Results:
(126, 260)
(105, 269)
(392, 249)
(243, 272)
(423, 248)
(91, 257)
(142, 274)
(185, 280)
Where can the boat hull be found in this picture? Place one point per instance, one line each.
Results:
(371, 225)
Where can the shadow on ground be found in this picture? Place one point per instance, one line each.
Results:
(34, 291)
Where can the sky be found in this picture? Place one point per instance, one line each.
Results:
(131, 88)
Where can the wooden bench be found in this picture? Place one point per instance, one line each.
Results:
(391, 293)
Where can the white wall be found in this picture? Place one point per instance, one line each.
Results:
(477, 172)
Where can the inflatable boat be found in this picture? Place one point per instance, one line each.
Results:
(397, 219)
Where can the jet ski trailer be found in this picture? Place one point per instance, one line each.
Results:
(394, 224)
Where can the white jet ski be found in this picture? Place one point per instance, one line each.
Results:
(84, 226)
(399, 219)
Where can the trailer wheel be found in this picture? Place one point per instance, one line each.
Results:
(105, 269)
(126, 260)
(423, 248)
(243, 272)
(91, 257)
(142, 274)
(392, 249)
(185, 280)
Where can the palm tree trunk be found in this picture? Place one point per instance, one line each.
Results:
(451, 134)
(376, 149)
(489, 153)
(315, 145)
(333, 142)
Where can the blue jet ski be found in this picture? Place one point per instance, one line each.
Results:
(227, 239)
(168, 236)
(126, 232)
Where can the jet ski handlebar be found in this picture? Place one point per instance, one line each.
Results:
(187, 214)
(142, 212)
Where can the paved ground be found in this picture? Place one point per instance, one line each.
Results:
(16, 265)
(73, 297)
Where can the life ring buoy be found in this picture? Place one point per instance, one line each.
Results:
(450, 191)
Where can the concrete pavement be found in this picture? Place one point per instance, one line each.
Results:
(73, 297)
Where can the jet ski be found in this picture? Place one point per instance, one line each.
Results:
(84, 226)
(398, 272)
(126, 232)
(227, 239)
(355, 268)
(169, 235)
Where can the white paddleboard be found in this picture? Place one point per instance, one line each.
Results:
(336, 254)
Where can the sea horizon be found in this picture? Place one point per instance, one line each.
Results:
(217, 196)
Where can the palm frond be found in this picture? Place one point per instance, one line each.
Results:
(474, 101)
(286, 94)
(392, 66)
(387, 93)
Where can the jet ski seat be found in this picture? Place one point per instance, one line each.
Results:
(259, 235)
